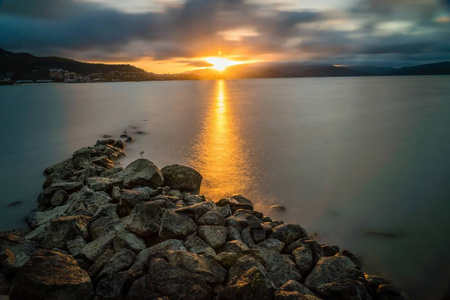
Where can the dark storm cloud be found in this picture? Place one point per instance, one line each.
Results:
(195, 28)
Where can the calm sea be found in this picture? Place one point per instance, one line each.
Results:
(362, 162)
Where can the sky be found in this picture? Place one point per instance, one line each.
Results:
(171, 36)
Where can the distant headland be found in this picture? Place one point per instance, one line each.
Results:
(26, 68)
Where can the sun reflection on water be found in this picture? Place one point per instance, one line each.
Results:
(219, 152)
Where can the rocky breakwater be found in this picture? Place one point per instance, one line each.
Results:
(102, 232)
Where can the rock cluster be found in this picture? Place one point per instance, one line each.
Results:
(142, 233)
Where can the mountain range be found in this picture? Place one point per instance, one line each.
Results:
(27, 66)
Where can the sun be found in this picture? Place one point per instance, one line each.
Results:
(221, 63)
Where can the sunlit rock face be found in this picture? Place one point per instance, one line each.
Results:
(121, 234)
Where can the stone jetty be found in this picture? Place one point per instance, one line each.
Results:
(104, 232)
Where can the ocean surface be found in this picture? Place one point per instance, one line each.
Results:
(362, 162)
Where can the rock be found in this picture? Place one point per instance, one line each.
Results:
(279, 267)
(226, 259)
(39, 233)
(103, 162)
(192, 199)
(59, 198)
(88, 200)
(142, 172)
(128, 240)
(236, 202)
(172, 281)
(272, 244)
(131, 198)
(114, 287)
(247, 237)
(174, 225)
(141, 289)
(212, 218)
(145, 219)
(233, 247)
(64, 229)
(278, 207)
(289, 295)
(233, 234)
(329, 250)
(236, 222)
(175, 193)
(197, 245)
(330, 269)
(203, 265)
(98, 265)
(103, 183)
(213, 235)
(242, 265)
(182, 178)
(129, 139)
(76, 245)
(196, 211)
(253, 284)
(36, 219)
(143, 256)
(258, 234)
(104, 225)
(68, 187)
(5, 285)
(293, 285)
(341, 289)
(15, 251)
(61, 166)
(225, 210)
(304, 260)
(121, 260)
(94, 249)
(353, 258)
(51, 275)
(288, 233)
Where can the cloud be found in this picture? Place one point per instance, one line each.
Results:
(371, 30)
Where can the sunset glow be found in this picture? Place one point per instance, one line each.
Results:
(221, 63)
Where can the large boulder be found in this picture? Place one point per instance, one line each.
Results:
(203, 265)
(183, 178)
(174, 225)
(51, 275)
(64, 229)
(15, 251)
(288, 233)
(145, 218)
(330, 269)
(142, 172)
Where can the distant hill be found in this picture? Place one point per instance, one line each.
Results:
(27, 66)
(441, 68)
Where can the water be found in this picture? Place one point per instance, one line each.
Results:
(346, 156)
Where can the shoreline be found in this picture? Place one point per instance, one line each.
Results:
(144, 233)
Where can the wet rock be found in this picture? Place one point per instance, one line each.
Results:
(272, 244)
(236, 222)
(253, 284)
(341, 289)
(174, 225)
(15, 251)
(233, 247)
(213, 235)
(192, 199)
(242, 265)
(212, 218)
(172, 281)
(64, 229)
(76, 245)
(129, 139)
(94, 249)
(278, 207)
(329, 250)
(203, 265)
(293, 285)
(197, 245)
(142, 172)
(51, 275)
(121, 260)
(128, 240)
(65, 165)
(89, 201)
(247, 237)
(182, 178)
(68, 187)
(258, 234)
(288, 233)
(39, 233)
(233, 234)
(289, 295)
(330, 269)
(236, 202)
(103, 162)
(145, 219)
